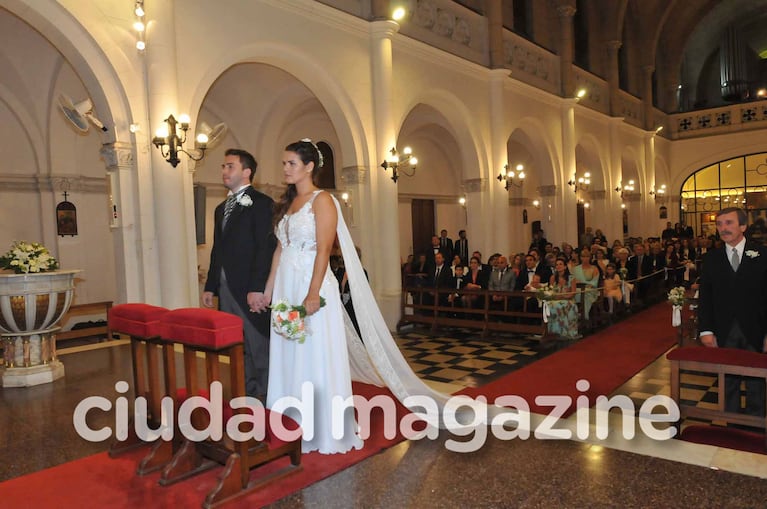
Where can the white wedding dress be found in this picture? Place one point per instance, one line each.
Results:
(322, 358)
(333, 354)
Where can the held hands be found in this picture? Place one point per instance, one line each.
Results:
(257, 302)
(207, 299)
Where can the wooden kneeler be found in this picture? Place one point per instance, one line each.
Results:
(214, 334)
(142, 323)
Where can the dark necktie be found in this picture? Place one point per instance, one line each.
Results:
(639, 266)
(228, 208)
(436, 275)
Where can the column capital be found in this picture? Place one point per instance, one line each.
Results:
(354, 175)
(384, 29)
(117, 155)
(547, 190)
(478, 185)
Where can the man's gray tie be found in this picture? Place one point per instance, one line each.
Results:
(228, 207)
(734, 261)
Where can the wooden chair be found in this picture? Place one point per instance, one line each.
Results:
(142, 323)
(722, 361)
(214, 334)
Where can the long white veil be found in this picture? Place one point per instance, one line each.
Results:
(378, 361)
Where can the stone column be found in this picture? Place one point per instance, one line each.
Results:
(379, 9)
(174, 243)
(649, 111)
(549, 200)
(565, 227)
(123, 187)
(498, 226)
(478, 210)
(566, 49)
(649, 217)
(387, 278)
(494, 14)
(613, 75)
(614, 222)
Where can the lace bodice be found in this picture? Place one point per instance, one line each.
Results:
(299, 230)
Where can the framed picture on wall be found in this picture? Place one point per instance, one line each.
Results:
(66, 218)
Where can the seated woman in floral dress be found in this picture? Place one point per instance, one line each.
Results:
(563, 311)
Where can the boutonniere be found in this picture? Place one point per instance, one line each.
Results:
(244, 200)
(751, 253)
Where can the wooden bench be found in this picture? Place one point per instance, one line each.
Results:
(722, 361)
(87, 309)
(428, 308)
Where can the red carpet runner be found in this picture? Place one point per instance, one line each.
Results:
(606, 359)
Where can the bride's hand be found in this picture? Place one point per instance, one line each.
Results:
(312, 303)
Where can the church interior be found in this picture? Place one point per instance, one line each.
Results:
(526, 116)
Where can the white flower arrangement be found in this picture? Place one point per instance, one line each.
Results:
(751, 253)
(545, 292)
(676, 296)
(244, 200)
(25, 257)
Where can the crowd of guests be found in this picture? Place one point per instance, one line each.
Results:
(633, 273)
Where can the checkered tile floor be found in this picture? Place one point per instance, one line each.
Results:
(462, 358)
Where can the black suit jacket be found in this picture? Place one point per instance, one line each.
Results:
(244, 250)
(632, 266)
(726, 296)
(445, 277)
(447, 247)
(524, 278)
(461, 248)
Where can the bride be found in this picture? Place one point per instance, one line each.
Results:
(307, 223)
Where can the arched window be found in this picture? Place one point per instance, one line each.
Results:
(738, 182)
(327, 177)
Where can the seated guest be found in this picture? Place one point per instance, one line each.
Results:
(588, 274)
(441, 279)
(502, 279)
(457, 263)
(528, 280)
(612, 287)
(600, 260)
(476, 279)
(458, 283)
(563, 311)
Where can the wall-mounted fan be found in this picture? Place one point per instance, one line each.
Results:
(79, 114)
(215, 133)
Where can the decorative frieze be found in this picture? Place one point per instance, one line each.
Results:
(547, 190)
(353, 175)
(117, 155)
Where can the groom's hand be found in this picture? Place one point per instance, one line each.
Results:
(207, 299)
(257, 302)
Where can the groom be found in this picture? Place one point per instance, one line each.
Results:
(733, 303)
(243, 244)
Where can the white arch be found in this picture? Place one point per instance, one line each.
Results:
(589, 143)
(331, 94)
(464, 131)
(27, 123)
(535, 131)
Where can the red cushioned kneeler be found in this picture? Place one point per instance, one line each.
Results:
(214, 334)
(142, 323)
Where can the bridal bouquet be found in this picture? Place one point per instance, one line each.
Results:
(288, 320)
(545, 292)
(25, 257)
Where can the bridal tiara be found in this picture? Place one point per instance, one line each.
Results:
(319, 154)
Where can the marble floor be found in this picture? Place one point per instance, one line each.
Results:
(36, 432)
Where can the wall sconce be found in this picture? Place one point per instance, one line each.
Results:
(623, 206)
(345, 199)
(628, 188)
(537, 204)
(462, 201)
(514, 177)
(580, 94)
(170, 143)
(582, 183)
(399, 163)
(658, 192)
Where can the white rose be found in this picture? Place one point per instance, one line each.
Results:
(244, 200)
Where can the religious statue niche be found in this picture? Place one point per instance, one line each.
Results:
(663, 212)
(66, 217)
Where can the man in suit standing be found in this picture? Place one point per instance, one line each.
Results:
(442, 278)
(461, 247)
(640, 266)
(732, 312)
(446, 245)
(243, 244)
